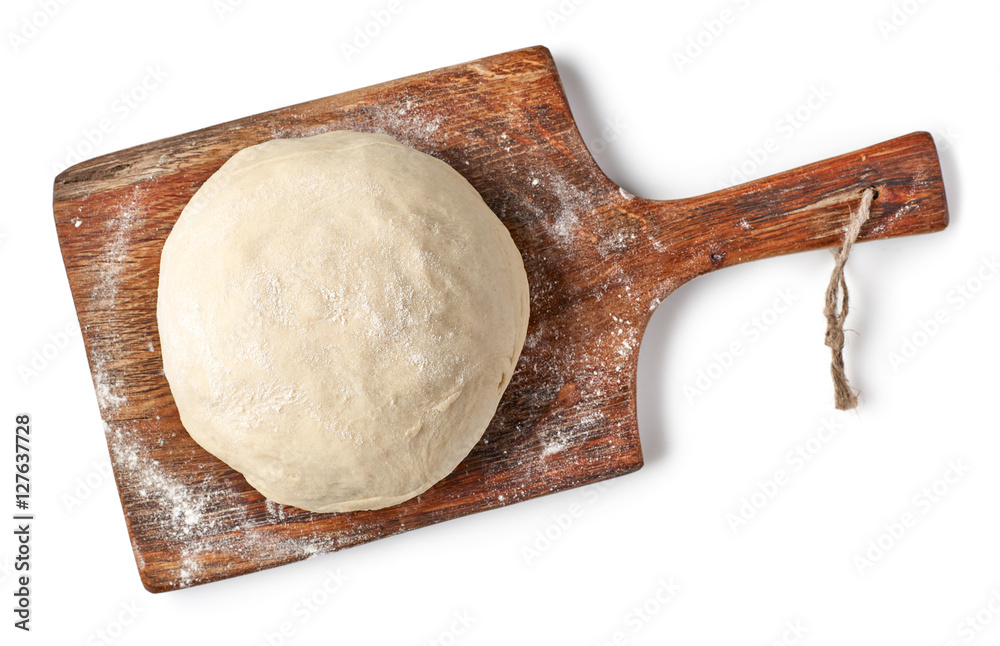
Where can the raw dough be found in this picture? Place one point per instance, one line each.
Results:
(339, 316)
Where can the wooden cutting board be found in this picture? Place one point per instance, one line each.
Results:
(599, 261)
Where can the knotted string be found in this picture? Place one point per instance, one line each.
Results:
(837, 305)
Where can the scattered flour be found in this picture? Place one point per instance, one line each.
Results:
(111, 392)
(198, 518)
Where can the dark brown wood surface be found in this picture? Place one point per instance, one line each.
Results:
(598, 259)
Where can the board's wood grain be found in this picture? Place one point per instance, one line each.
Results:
(598, 261)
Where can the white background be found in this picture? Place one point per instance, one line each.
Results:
(680, 131)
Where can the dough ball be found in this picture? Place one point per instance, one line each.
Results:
(339, 316)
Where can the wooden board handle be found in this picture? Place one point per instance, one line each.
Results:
(799, 210)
